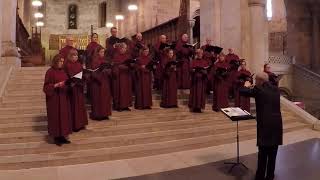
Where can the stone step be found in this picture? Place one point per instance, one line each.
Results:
(125, 152)
(120, 140)
(119, 127)
(23, 110)
(26, 81)
(113, 126)
(24, 88)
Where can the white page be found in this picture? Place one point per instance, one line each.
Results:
(79, 75)
(231, 112)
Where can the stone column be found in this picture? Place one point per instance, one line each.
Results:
(210, 26)
(9, 54)
(315, 37)
(1, 27)
(259, 35)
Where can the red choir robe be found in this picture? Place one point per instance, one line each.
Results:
(78, 109)
(110, 50)
(220, 86)
(58, 104)
(143, 95)
(100, 90)
(230, 57)
(65, 51)
(91, 48)
(157, 75)
(169, 86)
(183, 75)
(233, 72)
(136, 48)
(210, 58)
(197, 98)
(121, 83)
(241, 101)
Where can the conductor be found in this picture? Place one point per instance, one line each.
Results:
(269, 123)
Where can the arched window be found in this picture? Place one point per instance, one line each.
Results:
(102, 14)
(269, 9)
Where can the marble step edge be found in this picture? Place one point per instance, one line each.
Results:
(121, 140)
(117, 141)
(123, 129)
(100, 155)
(36, 137)
(119, 120)
(114, 122)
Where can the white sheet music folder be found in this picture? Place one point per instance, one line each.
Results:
(235, 113)
(79, 75)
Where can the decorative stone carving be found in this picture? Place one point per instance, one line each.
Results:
(284, 60)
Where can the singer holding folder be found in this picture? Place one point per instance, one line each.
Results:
(100, 86)
(74, 70)
(269, 123)
(57, 101)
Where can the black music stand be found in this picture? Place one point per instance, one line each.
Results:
(242, 116)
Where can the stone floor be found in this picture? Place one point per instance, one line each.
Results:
(168, 162)
(295, 162)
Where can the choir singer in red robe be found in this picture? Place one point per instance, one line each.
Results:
(169, 76)
(220, 84)
(197, 98)
(183, 55)
(99, 85)
(242, 76)
(78, 109)
(57, 100)
(69, 46)
(159, 56)
(91, 48)
(144, 80)
(122, 81)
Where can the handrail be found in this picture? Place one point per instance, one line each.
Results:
(307, 117)
(307, 70)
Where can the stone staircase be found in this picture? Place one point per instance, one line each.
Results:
(24, 141)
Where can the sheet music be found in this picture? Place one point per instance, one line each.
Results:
(235, 111)
(79, 75)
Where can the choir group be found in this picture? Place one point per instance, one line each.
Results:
(112, 76)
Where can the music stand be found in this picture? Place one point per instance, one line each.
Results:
(237, 114)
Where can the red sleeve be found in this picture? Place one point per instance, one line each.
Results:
(48, 87)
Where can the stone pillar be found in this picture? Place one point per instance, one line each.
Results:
(1, 27)
(210, 26)
(259, 35)
(315, 37)
(9, 54)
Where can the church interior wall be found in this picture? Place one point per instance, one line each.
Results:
(299, 40)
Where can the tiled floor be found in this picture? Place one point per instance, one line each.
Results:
(198, 160)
